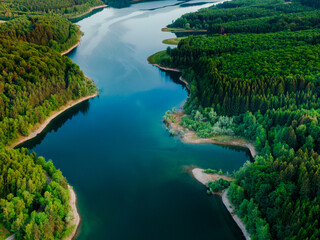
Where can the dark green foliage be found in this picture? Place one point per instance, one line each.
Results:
(55, 32)
(251, 17)
(269, 84)
(34, 81)
(68, 8)
(32, 204)
(218, 185)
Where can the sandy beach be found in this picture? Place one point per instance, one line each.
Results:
(76, 217)
(40, 127)
(204, 178)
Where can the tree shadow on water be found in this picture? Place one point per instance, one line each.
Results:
(57, 123)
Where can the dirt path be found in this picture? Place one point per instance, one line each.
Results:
(38, 129)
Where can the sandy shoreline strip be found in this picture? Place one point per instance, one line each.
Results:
(71, 48)
(89, 11)
(76, 216)
(235, 217)
(181, 79)
(191, 136)
(78, 43)
(166, 68)
(54, 114)
(204, 178)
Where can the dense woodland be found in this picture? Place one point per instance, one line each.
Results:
(262, 84)
(67, 8)
(34, 197)
(54, 32)
(34, 81)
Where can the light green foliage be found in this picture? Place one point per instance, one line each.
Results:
(167, 116)
(32, 205)
(212, 171)
(206, 123)
(34, 81)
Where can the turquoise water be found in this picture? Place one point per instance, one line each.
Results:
(132, 179)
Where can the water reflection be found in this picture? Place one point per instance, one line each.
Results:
(57, 123)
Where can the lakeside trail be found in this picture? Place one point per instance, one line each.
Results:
(39, 128)
(191, 137)
(75, 212)
(204, 178)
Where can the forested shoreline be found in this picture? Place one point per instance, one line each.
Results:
(69, 9)
(35, 80)
(256, 75)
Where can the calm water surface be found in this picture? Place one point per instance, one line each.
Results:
(132, 179)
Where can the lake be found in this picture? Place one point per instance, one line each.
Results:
(132, 178)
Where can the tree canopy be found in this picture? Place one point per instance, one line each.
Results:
(256, 75)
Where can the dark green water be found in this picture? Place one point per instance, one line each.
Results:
(132, 179)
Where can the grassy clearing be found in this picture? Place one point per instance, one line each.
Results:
(157, 57)
(173, 41)
(4, 233)
(1, 21)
